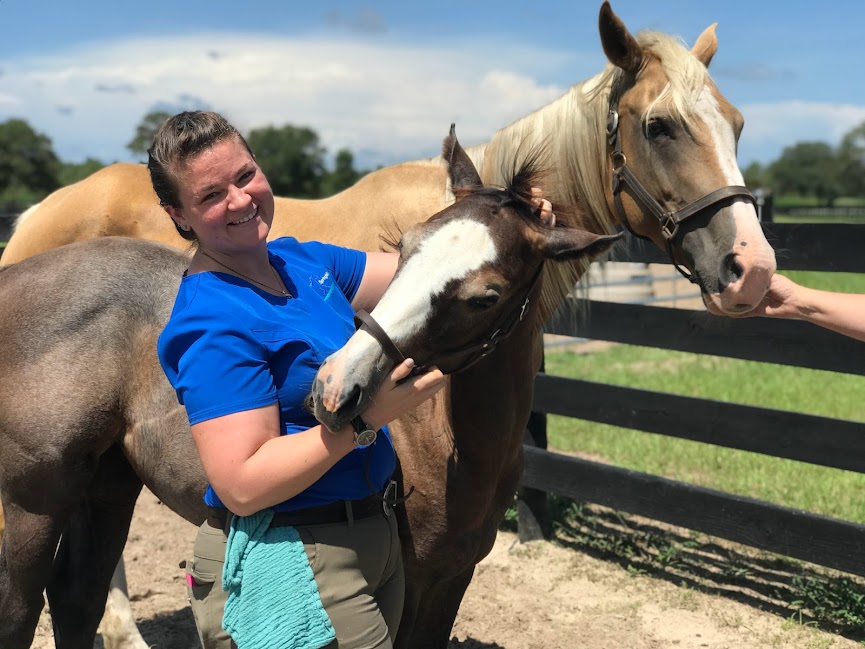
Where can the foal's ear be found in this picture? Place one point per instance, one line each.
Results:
(621, 48)
(562, 244)
(462, 172)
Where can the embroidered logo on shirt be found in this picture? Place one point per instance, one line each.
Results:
(324, 284)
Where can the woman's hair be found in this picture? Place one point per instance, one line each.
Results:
(178, 139)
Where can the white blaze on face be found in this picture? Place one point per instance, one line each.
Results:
(450, 253)
(753, 252)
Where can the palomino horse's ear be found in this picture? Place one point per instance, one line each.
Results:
(621, 48)
(462, 172)
(706, 46)
(562, 244)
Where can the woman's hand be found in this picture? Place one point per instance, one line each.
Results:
(546, 208)
(782, 300)
(394, 399)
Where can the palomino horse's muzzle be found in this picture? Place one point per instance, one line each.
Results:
(624, 179)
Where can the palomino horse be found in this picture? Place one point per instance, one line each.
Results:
(87, 415)
(669, 126)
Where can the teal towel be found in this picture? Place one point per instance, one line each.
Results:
(273, 600)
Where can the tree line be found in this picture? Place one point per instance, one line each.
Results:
(815, 170)
(294, 161)
(291, 156)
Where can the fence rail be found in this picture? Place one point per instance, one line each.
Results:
(819, 440)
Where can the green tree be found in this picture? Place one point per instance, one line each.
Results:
(292, 158)
(72, 172)
(29, 167)
(807, 169)
(851, 162)
(756, 175)
(145, 130)
(344, 174)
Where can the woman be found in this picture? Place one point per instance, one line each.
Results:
(251, 324)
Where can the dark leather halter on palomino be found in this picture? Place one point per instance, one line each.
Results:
(474, 351)
(624, 179)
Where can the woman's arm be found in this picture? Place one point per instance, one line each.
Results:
(841, 312)
(379, 271)
(261, 468)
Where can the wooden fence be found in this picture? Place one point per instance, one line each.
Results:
(818, 440)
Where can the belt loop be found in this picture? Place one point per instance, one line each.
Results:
(349, 513)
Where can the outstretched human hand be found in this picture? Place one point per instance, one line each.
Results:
(781, 300)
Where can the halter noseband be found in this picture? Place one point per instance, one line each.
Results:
(474, 351)
(624, 179)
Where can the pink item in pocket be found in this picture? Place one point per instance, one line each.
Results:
(190, 580)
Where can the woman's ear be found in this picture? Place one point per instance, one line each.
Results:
(176, 216)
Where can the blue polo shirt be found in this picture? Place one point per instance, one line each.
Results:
(230, 346)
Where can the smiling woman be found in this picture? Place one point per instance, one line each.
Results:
(240, 350)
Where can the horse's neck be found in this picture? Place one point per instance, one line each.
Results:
(380, 206)
(572, 129)
(490, 402)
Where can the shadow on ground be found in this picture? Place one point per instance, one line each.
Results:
(801, 592)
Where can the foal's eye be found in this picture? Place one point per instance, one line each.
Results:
(490, 299)
(659, 128)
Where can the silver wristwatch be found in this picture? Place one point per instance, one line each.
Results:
(363, 435)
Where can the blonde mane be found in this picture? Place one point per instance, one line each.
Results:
(572, 128)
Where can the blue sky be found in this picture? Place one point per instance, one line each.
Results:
(386, 79)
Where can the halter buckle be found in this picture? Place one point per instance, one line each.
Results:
(669, 227)
(523, 310)
(612, 122)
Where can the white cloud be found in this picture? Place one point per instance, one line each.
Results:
(384, 102)
(769, 128)
(392, 102)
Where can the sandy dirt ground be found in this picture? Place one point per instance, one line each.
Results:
(524, 596)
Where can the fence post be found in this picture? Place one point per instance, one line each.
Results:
(533, 509)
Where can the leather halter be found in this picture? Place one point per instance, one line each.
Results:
(473, 351)
(624, 179)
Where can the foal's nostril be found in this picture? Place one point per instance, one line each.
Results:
(731, 270)
(354, 398)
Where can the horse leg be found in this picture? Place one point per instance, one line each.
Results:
(119, 630)
(434, 615)
(26, 558)
(90, 549)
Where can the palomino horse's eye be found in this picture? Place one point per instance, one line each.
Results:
(658, 128)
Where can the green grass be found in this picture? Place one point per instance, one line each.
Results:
(795, 484)
(840, 282)
(787, 201)
(786, 482)
(781, 217)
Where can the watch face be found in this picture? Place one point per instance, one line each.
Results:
(365, 437)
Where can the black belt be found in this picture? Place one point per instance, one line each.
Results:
(342, 511)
